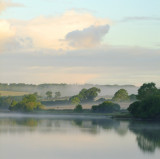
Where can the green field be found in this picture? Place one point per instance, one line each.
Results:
(12, 93)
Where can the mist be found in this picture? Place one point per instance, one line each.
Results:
(67, 89)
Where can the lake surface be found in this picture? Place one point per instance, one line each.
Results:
(72, 137)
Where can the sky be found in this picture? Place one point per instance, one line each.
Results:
(79, 41)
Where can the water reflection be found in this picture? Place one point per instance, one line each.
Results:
(147, 133)
(92, 126)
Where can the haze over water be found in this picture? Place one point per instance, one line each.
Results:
(70, 137)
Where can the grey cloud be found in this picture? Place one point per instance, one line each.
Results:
(118, 63)
(18, 44)
(126, 57)
(88, 37)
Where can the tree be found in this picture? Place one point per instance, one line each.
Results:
(147, 89)
(82, 94)
(5, 102)
(88, 94)
(147, 108)
(13, 103)
(78, 108)
(29, 103)
(30, 98)
(121, 95)
(148, 105)
(37, 96)
(75, 100)
(92, 93)
(133, 97)
(49, 94)
(57, 94)
(106, 107)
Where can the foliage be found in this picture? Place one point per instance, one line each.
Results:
(106, 107)
(133, 97)
(57, 94)
(75, 100)
(100, 100)
(83, 94)
(147, 89)
(37, 95)
(90, 94)
(13, 103)
(86, 95)
(49, 94)
(121, 95)
(147, 108)
(78, 108)
(29, 103)
(5, 102)
(148, 105)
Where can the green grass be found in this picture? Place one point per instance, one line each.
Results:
(12, 93)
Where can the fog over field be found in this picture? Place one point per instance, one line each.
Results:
(67, 89)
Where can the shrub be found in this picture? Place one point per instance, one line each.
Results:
(106, 107)
(78, 108)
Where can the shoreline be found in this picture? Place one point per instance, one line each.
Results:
(54, 115)
(69, 114)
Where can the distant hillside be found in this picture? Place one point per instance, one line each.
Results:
(66, 89)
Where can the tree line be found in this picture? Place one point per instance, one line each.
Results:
(145, 104)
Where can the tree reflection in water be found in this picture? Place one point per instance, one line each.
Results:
(147, 133)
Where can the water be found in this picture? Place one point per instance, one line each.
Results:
(65, 137)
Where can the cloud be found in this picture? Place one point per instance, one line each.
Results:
(114, 65)
(88, 37)
(18, 44)
(128, 19)
(50, 32)
(4, 4)
(6, 32)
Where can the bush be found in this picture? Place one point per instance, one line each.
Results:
(106, 107)
(78, 108)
